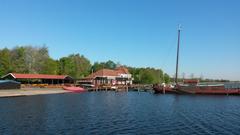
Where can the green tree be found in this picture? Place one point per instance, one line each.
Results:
(18, 60)
(50, 66)
(108, 65)
(5, 62)
(167, 78)
(147, 75)
(75, 65)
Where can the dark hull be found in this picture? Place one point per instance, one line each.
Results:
(161, 90)
(210, 90)
(8, 84)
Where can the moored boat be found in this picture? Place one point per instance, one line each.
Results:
(163, 89)
(215, 89)
(73, 89)
(193, 86)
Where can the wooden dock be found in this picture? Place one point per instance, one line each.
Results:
(122, 88)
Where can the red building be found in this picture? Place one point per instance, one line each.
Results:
(38, 78)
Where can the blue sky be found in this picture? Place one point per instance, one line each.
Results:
(141, 33)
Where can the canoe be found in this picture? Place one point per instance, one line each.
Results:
(74, 89)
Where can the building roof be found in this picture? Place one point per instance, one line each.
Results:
(122, 70)
(36, 76)
(108, 72)
(103, 72)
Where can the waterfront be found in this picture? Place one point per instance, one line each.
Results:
(120, 113)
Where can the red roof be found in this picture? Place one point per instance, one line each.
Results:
(103, 72)
(37, 76)
(108, 72)
(122, 70)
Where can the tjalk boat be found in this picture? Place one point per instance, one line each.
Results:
(194, 87)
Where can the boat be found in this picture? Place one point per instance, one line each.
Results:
(163, 89)
(9, 84)
(74, 89)
(192, 86)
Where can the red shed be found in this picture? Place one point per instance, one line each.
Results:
(39, 78)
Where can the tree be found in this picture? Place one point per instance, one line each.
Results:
(97, 66)
(5, 62)
(18, 60)
(75, 65)
(167, 78)
(108, 65)
(50, 66)
(147, 75)
(35, 58)
(41, 58)
(29, 59)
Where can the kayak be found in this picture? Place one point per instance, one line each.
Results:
(73, 89)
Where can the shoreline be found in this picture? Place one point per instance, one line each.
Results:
(31, 92)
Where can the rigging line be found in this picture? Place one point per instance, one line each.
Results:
(172, 46)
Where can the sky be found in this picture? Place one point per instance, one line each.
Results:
(140, 33)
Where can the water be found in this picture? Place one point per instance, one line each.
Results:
(120, 113)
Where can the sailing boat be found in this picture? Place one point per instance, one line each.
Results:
(194, 87)
(168, 89)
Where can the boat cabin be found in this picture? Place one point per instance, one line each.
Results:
(191, 81)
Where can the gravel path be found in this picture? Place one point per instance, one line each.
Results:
(30, 92)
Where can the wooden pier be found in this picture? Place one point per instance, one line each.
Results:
(122, 88)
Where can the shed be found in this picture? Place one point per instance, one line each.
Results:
(39, 78)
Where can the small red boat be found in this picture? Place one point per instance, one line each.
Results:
(73, 89)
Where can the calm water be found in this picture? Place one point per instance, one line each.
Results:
(120, 113)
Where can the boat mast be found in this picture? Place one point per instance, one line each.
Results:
(178, 45)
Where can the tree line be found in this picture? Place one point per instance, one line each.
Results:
(36, 60)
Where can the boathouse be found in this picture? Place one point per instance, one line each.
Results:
(38, 78)
(118, 76)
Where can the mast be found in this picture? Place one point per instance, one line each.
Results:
(178, 45)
